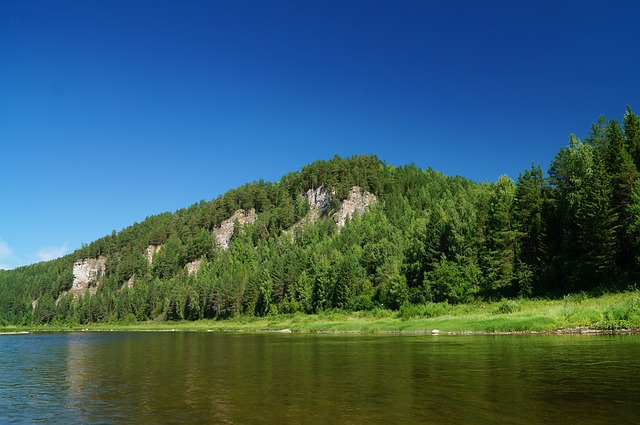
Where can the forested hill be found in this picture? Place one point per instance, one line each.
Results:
(356, 233)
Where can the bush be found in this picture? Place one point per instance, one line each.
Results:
(575, 298)
(507, 307)
(408, 311)
(451, 282)
(621, 316)
(379, 313)
(415, 311)
(361, 303)
(436, 309)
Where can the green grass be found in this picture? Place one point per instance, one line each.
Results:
(574, 312)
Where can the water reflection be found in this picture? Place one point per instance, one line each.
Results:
(317, 379)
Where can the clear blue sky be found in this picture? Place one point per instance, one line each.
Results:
(111, 111)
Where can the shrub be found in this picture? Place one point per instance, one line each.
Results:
(361, 302)
(507, 307)
(575, 298)
(621, 316)
(408, 311)
(436, 309)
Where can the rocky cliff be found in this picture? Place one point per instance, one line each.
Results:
(86, 275)
(225, 231)
(193, 267)
(320, 199)
(151, 251)
(356, 203)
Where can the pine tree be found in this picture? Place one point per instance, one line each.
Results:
(568, 181)
(632, 135)
(528, 224)
(597, 224)
(623, 174)
(633, 230)
(499, 256)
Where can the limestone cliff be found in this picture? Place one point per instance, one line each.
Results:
(151, 251)
(319, 201)
(356, 203)
(193, 267)
(224, 233)
(86, 275)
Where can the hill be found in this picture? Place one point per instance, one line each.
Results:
(357, 234)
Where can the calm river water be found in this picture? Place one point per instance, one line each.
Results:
(192, 377)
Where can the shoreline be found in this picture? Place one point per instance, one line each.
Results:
(583, 331)
(572, 315)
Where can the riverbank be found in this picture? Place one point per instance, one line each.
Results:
(619, 313)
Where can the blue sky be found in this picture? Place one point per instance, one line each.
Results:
(111, 111)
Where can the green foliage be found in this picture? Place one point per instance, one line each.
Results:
(587, 221)
(623, 315)
(529, 228)
(507, 307)
(428, 310)
(430, 243)
(498, 258)
(453, 282)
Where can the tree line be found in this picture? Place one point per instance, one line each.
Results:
(430, 238)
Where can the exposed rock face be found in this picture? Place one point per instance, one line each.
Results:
(225, 231)
(86, 274)
(194, 266)
(151, 251)
(129, 283)
(356, 203)
(319, 201)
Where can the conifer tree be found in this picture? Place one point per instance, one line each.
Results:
(499, 255)
(632, 135)
(622, 174)
(529, 227)
(568, 178)
(596, 224)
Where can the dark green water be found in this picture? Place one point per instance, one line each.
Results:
(150, 378)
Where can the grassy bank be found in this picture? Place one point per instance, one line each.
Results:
(574, 312)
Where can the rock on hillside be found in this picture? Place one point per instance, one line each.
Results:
(356, 203)
(87, 274)
(193, 267)
(151, 251)
(225, 231)
(319, 200)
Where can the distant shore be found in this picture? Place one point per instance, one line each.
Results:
(575, 314)
(197, 327)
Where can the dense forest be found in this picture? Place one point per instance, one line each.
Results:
(428, 238)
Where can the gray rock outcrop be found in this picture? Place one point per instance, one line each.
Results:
(319, 201)
(356, 203)
(225, 231)
(151, 251)
(87, 274)
(193, 267)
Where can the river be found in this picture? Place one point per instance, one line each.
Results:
(230, 378)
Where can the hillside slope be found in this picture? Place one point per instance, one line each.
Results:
(356, 233)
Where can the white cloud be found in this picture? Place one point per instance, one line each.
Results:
(6, 256)
(8, 260)
(49, 253)
(5, 251)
